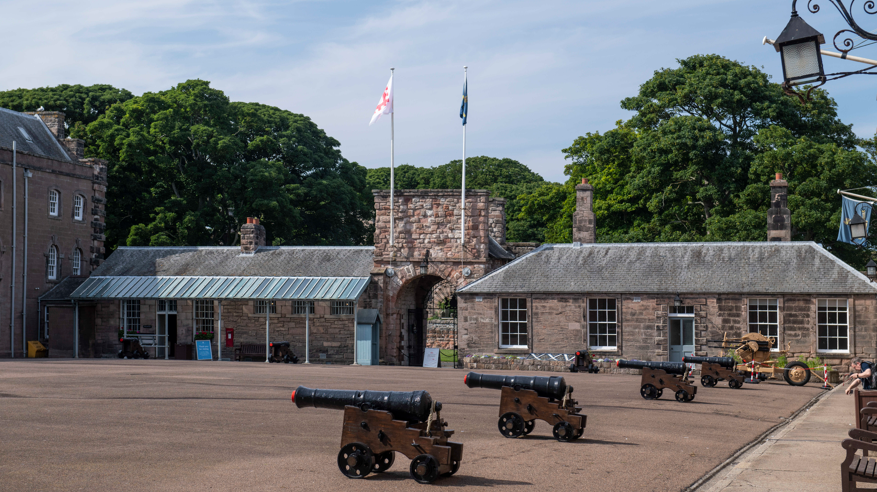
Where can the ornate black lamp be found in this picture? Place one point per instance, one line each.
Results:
(798, 46)
(677, 301)
(858, 228)
(871, 268)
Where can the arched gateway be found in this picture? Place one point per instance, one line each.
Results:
(418, 273)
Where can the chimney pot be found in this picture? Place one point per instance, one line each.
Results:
(249, 220)
(256, 220)
(779, 176)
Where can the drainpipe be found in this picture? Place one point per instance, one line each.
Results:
(267, 329)
(14, 232)
(27, 175)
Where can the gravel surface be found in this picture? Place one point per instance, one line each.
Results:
(180, 425)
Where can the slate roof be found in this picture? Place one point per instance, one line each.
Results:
(62, 290)
(742, 268)
(367, 316)
(36, 139)
(270, 261)
(497, 251)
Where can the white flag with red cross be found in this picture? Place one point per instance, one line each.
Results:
(385, 105)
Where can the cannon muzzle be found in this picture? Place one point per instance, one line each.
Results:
(412, 406)
(549, 387)
(726, 362)
(668, 367)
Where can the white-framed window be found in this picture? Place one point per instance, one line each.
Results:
(77, 261)
(602, 324)
(131, 315)
(832, 326)
(303, 307)
(764, 318)
(78, 207)
(261, 305)
(203, 316)
(513, 323)
(52, 263)
(167, 307)
(54, 199)
(342, 307)
(682, 310)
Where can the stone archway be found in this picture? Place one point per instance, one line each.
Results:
(411, 309)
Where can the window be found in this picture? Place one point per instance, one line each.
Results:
(342, 307)
(260, 307)
(52, 263)
(131, 316)
(833, 330)
(203, 316)
(681, 309)
(167, 307)
(77, 260)
(513, 323)
(78, 206)
(299, 307)
(53, 203)
(602, 324)
(764, 318)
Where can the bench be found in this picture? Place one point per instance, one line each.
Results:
(251, 351)
(862, 399)
(146, 340)
(857, 468)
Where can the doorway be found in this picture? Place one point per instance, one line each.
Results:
(415, 337)
(681, 337)
(166, 329)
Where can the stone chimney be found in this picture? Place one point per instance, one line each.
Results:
(54, 120)
(75, 147)
(584, 222)
(252, 236)
(779, 218)
(496, 219)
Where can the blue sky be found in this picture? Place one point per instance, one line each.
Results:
(540, 73)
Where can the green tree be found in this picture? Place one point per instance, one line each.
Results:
(407, 177)
(80, 104)
(187, 166)
(695, 160)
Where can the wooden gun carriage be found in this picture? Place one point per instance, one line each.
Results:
(658, 376)
(526, 399)
(378, 424)
(715, 369)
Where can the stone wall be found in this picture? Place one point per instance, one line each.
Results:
(497, 220)
(557, 324)
(440, 333)
(520, 249)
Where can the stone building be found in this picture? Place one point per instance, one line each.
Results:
(51, 226)
(404, 295)
(659, 301)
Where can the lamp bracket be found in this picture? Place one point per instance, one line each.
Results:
(845, 9)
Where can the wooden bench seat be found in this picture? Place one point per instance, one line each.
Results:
(857, 468)
(253, 351)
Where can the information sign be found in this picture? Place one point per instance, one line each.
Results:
(203, 349)
(431, 357)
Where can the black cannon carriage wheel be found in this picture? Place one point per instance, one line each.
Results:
(649, 392)
(356, 460)
(424, 468)
(511, 425)
(529, 426)
(383, 461)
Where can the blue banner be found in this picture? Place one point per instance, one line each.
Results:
(464, 107)
(848, 209)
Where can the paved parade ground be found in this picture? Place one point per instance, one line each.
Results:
(182, 425)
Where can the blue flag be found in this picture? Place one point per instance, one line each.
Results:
(464, 107)
(848, 209)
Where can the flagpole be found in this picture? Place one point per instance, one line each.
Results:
(463, 207)
(392, 167)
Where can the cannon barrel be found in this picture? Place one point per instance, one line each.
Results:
(726, 362)
(412, 406)
(668, 367)
(551, 387)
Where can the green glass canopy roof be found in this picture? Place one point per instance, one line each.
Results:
(180, 287)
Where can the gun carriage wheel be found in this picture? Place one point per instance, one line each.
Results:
(424, 468)
(383, 461)
(649, 392)
(564, 432)
(529, 426)
(356, 460)
(511, 425)
(797, 373)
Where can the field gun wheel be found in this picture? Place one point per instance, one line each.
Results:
(383, 461)
(511, 425)
(796, 373)
(356, 460)
(707, 381)
(424, 468)
(564, 432)
(455, 467)
(682, 396)
(649, 392)
(735, 384)
(529, 426)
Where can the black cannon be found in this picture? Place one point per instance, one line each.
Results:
(549, 387)
(715, 369)
(525, 399)
(131, 349)
(280, 352)
(377, 424)
(660, 375)
(583, 362)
